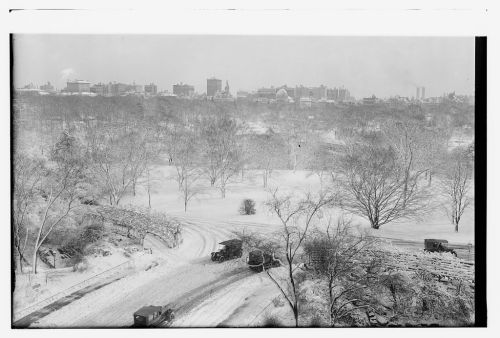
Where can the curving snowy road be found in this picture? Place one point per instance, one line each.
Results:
(184, 277)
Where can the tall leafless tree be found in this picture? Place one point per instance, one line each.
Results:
(28, 174)
(62, 186)
(337, 255)
(118, 159)
(221, 150)
(457, 183)
(378, 187)
(296, 218)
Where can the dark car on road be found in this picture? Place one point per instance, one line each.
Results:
(438, 245)
(230, 249)
(151, 315)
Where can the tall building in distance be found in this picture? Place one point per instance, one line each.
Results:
(214, 86)
(78, 86)
(151, 89)
(183, 90)
(420, 93)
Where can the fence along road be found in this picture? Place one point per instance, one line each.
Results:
(30, 314)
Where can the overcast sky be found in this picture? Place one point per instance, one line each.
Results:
(384, 66)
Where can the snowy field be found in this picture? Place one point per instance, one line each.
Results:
(208, 205)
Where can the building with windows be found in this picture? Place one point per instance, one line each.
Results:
(117, 89)
(370, 100)
(289, 90)
(183, 90)
(214, 86)
(136, 88)
(151, 89)
(78, 86)
(241, 94)
(338, 94)
(99, 89)
(266, 93)
(314, 93)
(47, 87)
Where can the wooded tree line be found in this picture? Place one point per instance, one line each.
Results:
(70, 152)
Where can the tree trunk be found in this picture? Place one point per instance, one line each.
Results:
(185, 194)
(296, 315)
(20, 263)
(35, 260)
(456, 226)
(374, 224)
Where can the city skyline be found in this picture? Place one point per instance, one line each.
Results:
(361, 64)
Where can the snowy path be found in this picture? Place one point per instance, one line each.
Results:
(184, 277)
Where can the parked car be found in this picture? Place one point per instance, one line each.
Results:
(259, 260)
(229, 250)
(148, 316)
(438, 245)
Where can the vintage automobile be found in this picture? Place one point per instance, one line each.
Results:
(229, 250)
(438, 245)
(151, 315)
(259, 260)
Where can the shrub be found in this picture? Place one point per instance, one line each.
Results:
(247, 207)
(92, 233)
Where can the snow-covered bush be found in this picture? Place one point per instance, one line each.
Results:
(247, 207)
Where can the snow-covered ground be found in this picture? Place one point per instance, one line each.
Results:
(212, 294)
(31, 289)
(208, 205)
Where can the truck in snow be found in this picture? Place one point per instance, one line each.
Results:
(259, 260)
(148, 316)
(229, 250)
(438, 245)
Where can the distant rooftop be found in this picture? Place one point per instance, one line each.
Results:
(79, 81)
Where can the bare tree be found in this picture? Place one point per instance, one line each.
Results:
(61, 189)
(221, 150)
(457, 184)
(118, 158)
(267, 152)
(417, 148)
(336, 255)
(378, 187)
(296, 219)
(297, 133)
(27, 176)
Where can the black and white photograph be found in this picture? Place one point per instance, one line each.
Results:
(247, 180)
